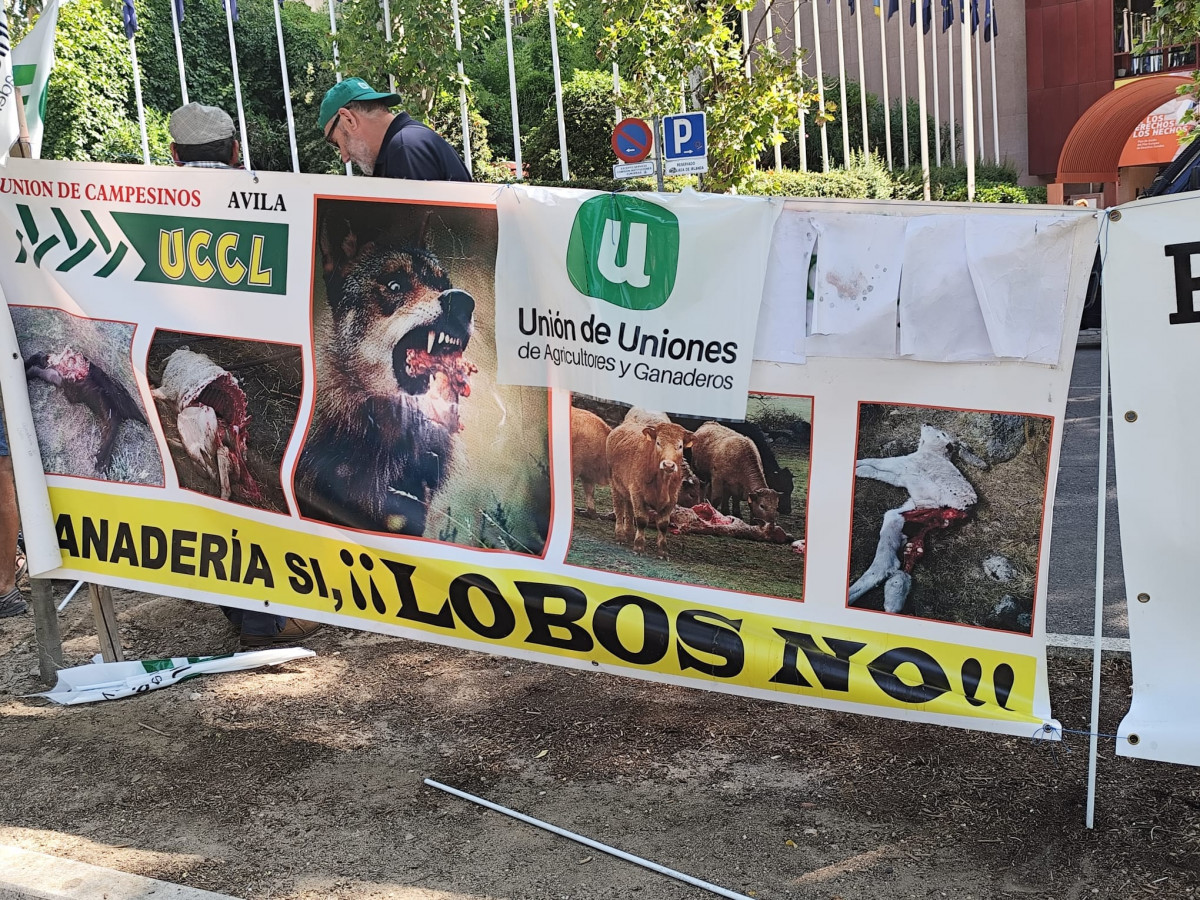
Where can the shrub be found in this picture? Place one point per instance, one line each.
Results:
(589, 107)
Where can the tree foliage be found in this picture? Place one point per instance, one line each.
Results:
(695, 47)
(1178, 22)
(589, 106)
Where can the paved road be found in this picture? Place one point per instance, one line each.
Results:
(1073, 546)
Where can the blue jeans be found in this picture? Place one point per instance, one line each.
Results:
(254, 623)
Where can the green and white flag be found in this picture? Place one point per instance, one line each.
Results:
(32, 60)
(9, 125)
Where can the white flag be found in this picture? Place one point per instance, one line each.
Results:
(32, 60)
(10, 127)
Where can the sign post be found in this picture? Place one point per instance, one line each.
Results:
(632, 140)
(685, 144)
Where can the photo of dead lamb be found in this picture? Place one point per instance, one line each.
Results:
(948, 510)
(723, 502)
(87, 410)
(410, 434)
(227, 408)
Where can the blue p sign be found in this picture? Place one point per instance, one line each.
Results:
(685, 136)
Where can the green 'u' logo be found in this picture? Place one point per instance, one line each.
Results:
(624, 250)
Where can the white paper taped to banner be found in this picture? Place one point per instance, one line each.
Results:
(1152, 325)
(294, 400)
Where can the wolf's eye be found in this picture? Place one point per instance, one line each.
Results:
(395, 286)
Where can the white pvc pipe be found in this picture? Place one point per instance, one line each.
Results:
(287, 88)
(179, 52)
(883, 66)
(820, 89)
(462, 91)
(558, 101)
(512, 90)
(1101, 513)
(74, 590)
(588, 842)
(237, 84)
(137, 96)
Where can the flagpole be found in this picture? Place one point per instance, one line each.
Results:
(837, 6)
(337, 69)
(968, 99)
(771, 45)
(995, 104)
(287, 87)
(387, 36)
(820, 89)
(462, 91)
(950, 89)
(921, 89)
(979, 134)
(862, 80)
(617, 91)
(903, 85)
(137, 96)
(558, 101)
(883, 65)
(937, 102)
(178, 49)
(512, 90)
(801, 138)
(237, 84)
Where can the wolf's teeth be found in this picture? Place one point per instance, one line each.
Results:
(432, 338)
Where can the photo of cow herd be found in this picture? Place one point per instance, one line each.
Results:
(721, 504)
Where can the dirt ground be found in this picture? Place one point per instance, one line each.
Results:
(305, 782)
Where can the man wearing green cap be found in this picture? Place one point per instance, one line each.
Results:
(358, 120)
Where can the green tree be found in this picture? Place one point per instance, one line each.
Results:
(1178, 22)
(696, 45)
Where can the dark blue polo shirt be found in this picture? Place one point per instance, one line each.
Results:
(413, 150)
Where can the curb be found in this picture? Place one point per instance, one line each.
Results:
(1088, 337)
(26, 875)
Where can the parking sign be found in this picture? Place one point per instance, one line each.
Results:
(684, 136)
(685, 144)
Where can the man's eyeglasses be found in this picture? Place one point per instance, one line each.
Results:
(337, 120)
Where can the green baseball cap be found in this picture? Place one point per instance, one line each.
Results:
(347, 91)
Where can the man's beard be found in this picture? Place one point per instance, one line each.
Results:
(361, 155)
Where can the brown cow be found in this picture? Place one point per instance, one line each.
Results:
(646, 466)
(589, 454)
(730, 461)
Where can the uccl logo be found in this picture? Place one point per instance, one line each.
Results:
(624, 250)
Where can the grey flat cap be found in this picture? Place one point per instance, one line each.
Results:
(199, 124)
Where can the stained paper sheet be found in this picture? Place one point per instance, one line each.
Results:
(940, 319)
(859, 259)
(1021, 285)
(781, 318)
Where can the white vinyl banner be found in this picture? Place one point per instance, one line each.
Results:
(250, 389)
(649, 299)
(33, 60)
(1152, 327)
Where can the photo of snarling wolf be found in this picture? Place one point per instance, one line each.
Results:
(410, 434)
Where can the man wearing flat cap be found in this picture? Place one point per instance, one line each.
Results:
(358, 120)
(202, 137)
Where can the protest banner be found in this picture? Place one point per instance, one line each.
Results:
(265, 391)
(1152, 328)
